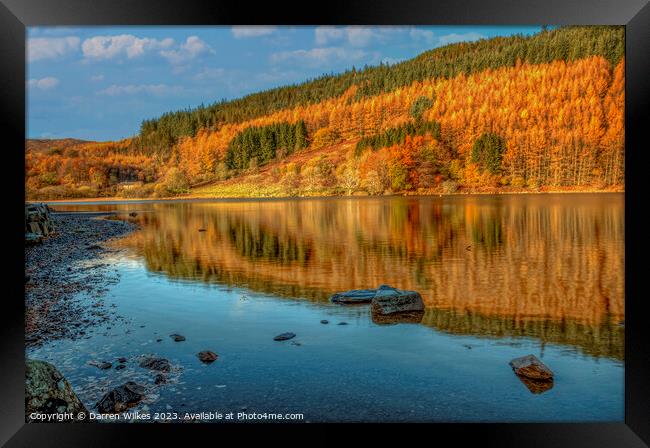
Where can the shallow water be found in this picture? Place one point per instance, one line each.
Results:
(502, 277)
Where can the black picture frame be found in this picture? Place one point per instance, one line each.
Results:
(15, 15)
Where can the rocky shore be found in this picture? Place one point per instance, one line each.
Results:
(65, 276)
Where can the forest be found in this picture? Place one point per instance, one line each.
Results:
(521, 113)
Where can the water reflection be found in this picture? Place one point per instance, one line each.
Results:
(543, 266)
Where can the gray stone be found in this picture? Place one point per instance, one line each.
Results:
(121, 398)
(354, 296)
(101, 364)
(530, 367)
(177, 337)
(390, 300)
(47, 391)
(284, 336)
(159, 364)
(33, 238)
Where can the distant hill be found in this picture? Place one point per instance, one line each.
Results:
(519, 113)
(53, 145)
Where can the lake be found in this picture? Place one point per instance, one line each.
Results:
(501, 276)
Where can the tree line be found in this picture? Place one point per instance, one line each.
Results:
(159, 135)
(257, 145)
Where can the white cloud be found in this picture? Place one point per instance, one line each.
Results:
(319, 56)
(454, 37)
(327, 34)
(422, 35)
(357, 36)
(43, 83)
(430, 38)
(360, 36)
(191, 48)
(50, 47)
(109, 47)
(242, 32)
(392, 61)
(133, 89)
(210, 74)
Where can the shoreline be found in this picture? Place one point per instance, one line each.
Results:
(65, 278)
(196, 198)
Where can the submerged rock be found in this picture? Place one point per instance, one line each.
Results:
(536, 386)
(207, 356)
(160, 364)
(530, 367)
(324, 321)
(405, 317)
(177, 337)
(121, 360)
(284, 336)
(121, 398)
(101, 364)
(160, 379)
(47, 391)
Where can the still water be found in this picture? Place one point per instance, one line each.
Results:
(501, 276)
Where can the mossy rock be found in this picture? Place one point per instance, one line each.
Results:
(47, 391)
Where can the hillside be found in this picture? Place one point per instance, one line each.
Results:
(543, 112)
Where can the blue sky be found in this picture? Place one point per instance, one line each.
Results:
(99, 83)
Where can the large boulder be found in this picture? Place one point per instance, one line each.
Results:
(385, 299)
(389, 300)
(37, 222)
(48, 392)
(532, 368)
(121, 398)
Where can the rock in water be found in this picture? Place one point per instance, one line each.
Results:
(324, 321)
(390, 300)
(284, 336)
(207, 356)
(160, 364)
(354, 296)
(530, 367)
(160, 379)
(177, 337)
(47, 391)
(121, 398)
(101, 364)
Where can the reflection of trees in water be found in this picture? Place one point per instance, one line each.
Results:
(528, 259)
(260, 243)
(487, 231)
(605, 339)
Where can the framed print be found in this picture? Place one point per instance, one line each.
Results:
(376, 213)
